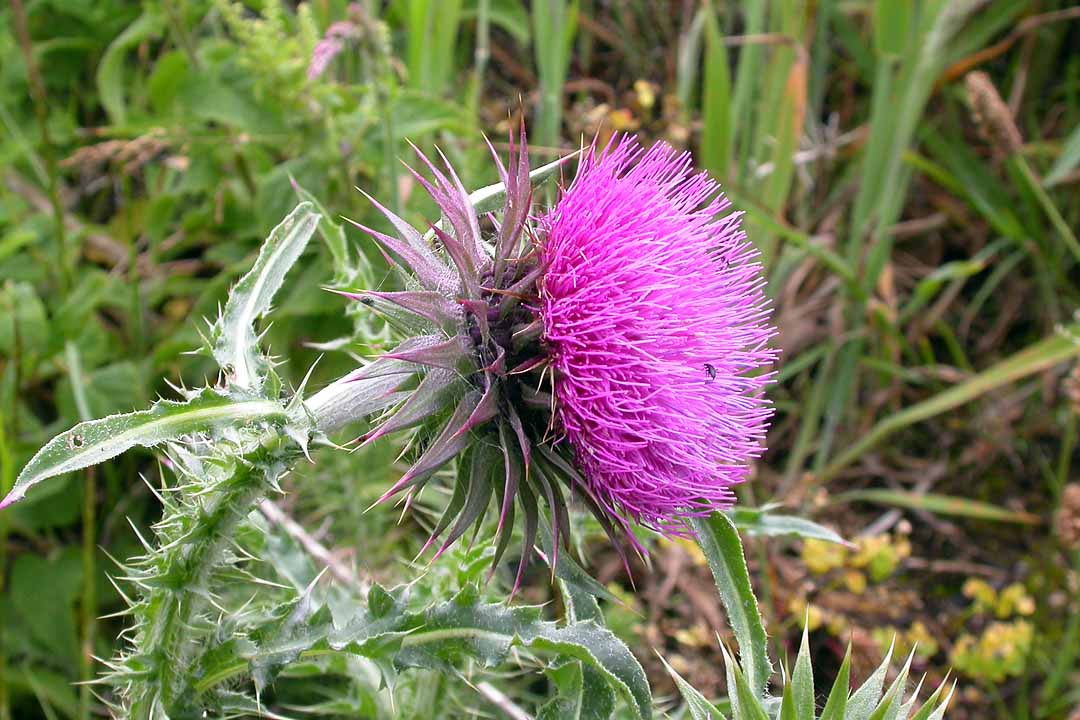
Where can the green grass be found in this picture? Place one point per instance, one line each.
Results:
(924, 280)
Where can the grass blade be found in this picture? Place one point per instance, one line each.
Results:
(1067, 161)
(716, 134)
(1062, 346)
(554, 28)
(938, 504)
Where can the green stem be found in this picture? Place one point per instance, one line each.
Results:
(1052, 214)
(182, 590)
(41, 111)
(481, 55)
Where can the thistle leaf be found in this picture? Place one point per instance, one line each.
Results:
(787, 704)
(600, 649)
(935, 706)
(890, 706)
(699, 707)
(723, 550)
(867, 698)
(802, 681)
(95, 441)
(280, 642)
(460, 628)
(836, 705)
(236, 347)
(758, 521)
(745, 702)
(583, 694)
(333, 235)
(591, 662)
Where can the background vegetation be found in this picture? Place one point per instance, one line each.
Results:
(909, 172)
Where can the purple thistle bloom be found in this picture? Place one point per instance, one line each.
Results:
(634, 300)
(656, 325)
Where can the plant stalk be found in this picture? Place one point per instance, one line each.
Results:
(41, 112)
(176, 608)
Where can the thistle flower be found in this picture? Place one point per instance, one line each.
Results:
(611, 347)
(654, 323)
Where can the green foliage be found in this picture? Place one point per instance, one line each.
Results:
(95, 441)
(236, 348)
(229, 448)
(554, 24)
(723, 550)
(871, 700)
(925, 284)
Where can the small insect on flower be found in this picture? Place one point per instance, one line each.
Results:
(564, 352)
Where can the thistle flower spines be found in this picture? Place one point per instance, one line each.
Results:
(475, 334)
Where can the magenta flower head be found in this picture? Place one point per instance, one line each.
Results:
(612, 349)
(656, 330)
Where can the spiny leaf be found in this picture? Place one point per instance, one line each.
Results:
(868, 696)
(92, 442)
(935, 706)
(723, 550)
(699, 707)
(438, 637)
(746, 702)
(836, 705)
(236, 346)
(583, 694)
(333, 234)
(487, 632)
(787, 703)
(281, 642)
(802, 681)
(599, 648)
(890, 706)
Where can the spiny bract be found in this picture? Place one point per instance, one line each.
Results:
(615, 345)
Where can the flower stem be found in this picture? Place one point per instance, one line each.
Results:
(41, 111)
(181, 591)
